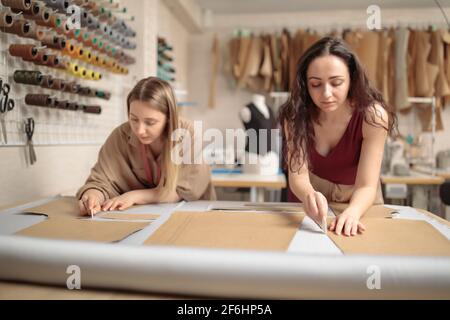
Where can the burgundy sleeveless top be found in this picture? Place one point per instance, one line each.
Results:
(341, 164)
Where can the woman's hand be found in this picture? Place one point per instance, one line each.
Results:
(91, 202)
(316, 207)
(121, 202)
(347, 223)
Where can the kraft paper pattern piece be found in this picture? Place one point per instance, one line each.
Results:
(64, 222)
(377, 211)
(385, 236)
(75, 229)
(64, 207)
(228, 230)
(128, 216)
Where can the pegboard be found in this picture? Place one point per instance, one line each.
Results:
(56, 126)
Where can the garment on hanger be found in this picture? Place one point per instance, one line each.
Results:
(383, 64)
(401, 70)
(442, 88)
(275, 54)
(296, 51)
(412, 60)
(258, 121)
(423, 48)
(284, 54)
(391, 71)
(266, 70)
(365, 45)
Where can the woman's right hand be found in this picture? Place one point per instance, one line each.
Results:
(91, 201)
(316, 206)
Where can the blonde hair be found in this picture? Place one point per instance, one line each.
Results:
(159, 94)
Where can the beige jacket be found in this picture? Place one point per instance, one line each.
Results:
(120, 168)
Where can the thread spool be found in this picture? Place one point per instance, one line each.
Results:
(82, 73)
(31, 31)
(72, 87)
(78, 53)
(40, 100)
(97, 76)
(6, 19)
(52, 61)
(41, 58)
(69, 49)
(72, 106)
(28, 77)
(19, 27)
(62, 104)
(74, 69)
(60, 5)
(90, 75)
(87, 55)
(58, 84)
(24, 51)
(74, 34)
(46, 82)
(92, 109)
(50, 40)
(85, 91)
(103, 94)
(17, 4)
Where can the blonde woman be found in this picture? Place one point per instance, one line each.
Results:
(135, 166)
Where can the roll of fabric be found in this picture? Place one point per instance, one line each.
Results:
(92, 109)
(17, 4)
(28, 77)
(40, 100)
(46, 81)
(6, 19)
(24, 51)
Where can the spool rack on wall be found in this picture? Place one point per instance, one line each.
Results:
(63, 72)
(165, 70)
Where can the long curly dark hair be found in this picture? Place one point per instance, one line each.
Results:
(297, 115)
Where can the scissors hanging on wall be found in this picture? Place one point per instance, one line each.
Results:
(29, 130)
(6, 105)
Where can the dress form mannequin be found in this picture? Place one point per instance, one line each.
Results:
(260, 102)
(259, 159)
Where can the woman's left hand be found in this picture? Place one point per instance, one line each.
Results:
(121, 202)
(347, 223)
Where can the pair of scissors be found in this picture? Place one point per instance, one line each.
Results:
(6, 105)
(29, 130)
